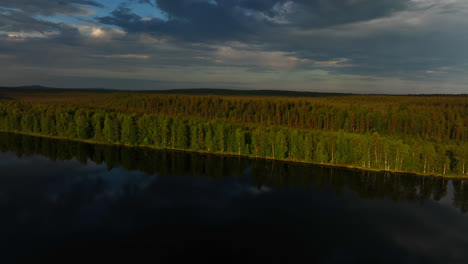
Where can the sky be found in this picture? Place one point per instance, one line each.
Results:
(355, 46)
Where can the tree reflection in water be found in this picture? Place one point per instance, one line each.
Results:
(367, 185)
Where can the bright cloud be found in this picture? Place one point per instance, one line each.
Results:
(100, 32)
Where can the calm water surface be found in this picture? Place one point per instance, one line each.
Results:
(72, 202)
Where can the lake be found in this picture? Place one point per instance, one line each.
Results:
(64, 201)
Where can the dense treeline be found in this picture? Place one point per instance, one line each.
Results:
(438, 118)
(371, 149)
(368, 185)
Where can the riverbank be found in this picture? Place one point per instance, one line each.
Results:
(340, 166)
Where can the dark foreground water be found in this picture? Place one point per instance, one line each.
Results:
(73, 202)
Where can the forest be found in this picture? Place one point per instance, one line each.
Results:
(414, 134)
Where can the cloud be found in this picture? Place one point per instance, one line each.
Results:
(363, 31)
(151, 40)
(149, 2)
(6, 56)
(51, 7)
(247, 21)
(17, 21)
(279, 14)
(126, 56)
(313, 14)
(255, 57)
(258, 59)
(100, 32)
(188, 20)
(293, 44)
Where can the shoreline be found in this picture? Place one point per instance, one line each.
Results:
(339, 166)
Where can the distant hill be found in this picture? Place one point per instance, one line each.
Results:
(208, 91)
(36, 88)
(194, 91)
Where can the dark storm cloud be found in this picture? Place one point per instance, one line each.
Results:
(259, 5)
(50, 7)
(206, 20)
(274, 24)
(319, 13)
(190, 20)
(16, 21)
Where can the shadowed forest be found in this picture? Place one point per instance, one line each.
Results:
(414, 134)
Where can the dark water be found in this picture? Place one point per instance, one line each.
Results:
(73, 202)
